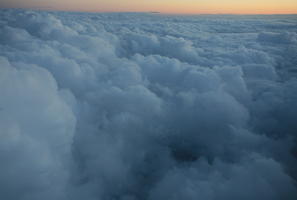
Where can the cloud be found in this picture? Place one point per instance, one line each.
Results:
(35, 136)
(252, 178)
(137, 106)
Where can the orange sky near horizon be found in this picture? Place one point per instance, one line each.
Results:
(163, 6)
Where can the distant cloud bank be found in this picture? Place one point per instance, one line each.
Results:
(147, 107)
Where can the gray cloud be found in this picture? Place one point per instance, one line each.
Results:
(134, 106)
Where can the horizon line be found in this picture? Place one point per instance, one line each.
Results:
(152, 12)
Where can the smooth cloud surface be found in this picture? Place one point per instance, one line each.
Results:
(141, 106)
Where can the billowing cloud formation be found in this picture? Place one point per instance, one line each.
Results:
(141, 106)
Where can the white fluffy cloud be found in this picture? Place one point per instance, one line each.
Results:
(142, 106)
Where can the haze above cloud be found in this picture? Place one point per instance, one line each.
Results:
(164, 6)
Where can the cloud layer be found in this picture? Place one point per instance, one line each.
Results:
(137, 106)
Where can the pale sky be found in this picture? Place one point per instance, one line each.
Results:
(164, 6)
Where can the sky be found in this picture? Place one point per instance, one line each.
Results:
(164, 6)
